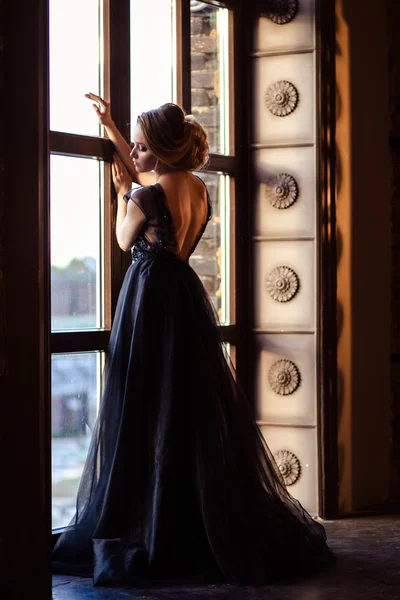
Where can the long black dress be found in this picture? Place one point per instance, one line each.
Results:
(178, 482)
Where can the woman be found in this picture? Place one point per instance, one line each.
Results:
(178, 482)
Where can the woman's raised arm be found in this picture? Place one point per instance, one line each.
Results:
(122, 147)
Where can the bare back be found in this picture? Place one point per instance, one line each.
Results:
(186, 199)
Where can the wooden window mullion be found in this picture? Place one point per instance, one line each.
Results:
(183, 66)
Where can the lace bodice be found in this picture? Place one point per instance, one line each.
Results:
(158, 232)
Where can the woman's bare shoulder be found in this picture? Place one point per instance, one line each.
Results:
(186, 181)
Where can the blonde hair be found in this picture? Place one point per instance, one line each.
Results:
(174, 138)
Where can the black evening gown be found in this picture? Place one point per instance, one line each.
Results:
(179, 484)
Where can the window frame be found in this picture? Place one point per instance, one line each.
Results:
(82, 146)
(117, 44)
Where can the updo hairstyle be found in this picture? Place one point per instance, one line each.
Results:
(176, 139)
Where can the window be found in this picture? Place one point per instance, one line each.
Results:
(111, 56)
(76, 392)
(81, 245)
(153, 73)
(211, 259)
(209, 54)
(77, 243)
(78, 67)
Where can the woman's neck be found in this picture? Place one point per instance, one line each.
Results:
(170, 174)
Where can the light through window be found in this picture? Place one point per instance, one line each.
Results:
(76, 64)
(76, 243)
(210, 72)
(76, 390)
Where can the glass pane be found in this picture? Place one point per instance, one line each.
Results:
(211, 259)
(153, 55)
(76, 392)
(209, 27)
(76, 243)
(76, 64)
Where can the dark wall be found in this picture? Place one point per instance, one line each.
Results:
(364, 255)
(25, 495)
(393, 10)
(2, 147)
(2, 198)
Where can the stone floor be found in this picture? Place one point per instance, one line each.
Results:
(368, 568)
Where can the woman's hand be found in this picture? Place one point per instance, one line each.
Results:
(121, 178)
(104, 112)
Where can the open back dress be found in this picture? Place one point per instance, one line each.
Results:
(179, 483)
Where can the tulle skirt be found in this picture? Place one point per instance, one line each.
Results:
(178, 482)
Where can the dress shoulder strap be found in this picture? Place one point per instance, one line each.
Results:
(145, 198)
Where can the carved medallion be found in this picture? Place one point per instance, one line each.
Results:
(288, 465)
(282, 191)
(281, 98)
(282, 284)
(281, 11)
(284, 377)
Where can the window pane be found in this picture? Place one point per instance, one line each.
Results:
(76, 243)
(76, 64)
(210, 72)
(76, 391)
(211, 259)
(152, 55)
